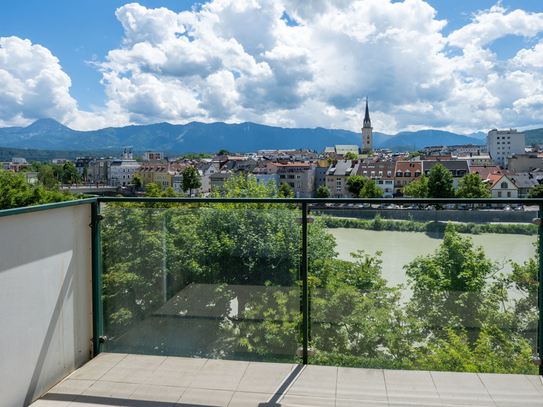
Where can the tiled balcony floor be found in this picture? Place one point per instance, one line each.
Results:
(155, 381)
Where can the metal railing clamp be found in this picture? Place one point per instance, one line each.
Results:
(309, 220)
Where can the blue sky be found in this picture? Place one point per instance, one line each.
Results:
(463, 66)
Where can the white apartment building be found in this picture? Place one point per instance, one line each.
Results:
(121, 172)
(502, 144)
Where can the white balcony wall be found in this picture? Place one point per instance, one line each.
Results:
(45, 300)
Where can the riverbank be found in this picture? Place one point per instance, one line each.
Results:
(378, 223)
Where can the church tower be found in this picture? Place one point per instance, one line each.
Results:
(367, 131)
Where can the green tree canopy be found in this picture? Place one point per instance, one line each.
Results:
(417, 189)
(355, 184)
(440, 182)
(536, 192)
(472, 186)
(70, 173)
(15, 192)
(191, 179)
(323, 192)
(137, 181)
(224, 152)
(350, 156)
(285, 191)
(370, 190)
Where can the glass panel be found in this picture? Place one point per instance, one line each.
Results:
(408, 290)
(213, 282)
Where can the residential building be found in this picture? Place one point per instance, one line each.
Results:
(473, 158)
(502, 144)
(83, 162)
(406, 173)
(153, 156)
(99, 169)
(121, 172)
(501, 186)
(524, 162)
(300, 176)
(59, 161)
(382, 172)
(160, 174)
(217, 181)
(320, 176)
(336, 177)
(524, 181)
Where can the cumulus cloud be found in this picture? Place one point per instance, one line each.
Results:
(32, 84)
(298, 63)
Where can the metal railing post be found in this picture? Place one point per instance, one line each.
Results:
(539, 330)
(305, 288)
(96, 279)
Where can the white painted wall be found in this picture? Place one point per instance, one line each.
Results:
(45, 300)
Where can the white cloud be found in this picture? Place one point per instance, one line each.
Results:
(32, 84)
(243, 60)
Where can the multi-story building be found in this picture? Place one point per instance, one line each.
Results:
(336, 177)
(382, 172)
(121, 172)
(99, 169)
(153, 156)
(524, 162)
(300, 177)
(83, 162)
(406, 173)
(502, 144)
(160, 174)
(477, 158)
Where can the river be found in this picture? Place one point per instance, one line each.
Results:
(400, 248)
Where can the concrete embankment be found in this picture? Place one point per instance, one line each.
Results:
(477, 216)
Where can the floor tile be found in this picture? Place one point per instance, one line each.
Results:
(242, 399)
(536, 381)
(220, 375)
(410, 386)
(54, 400)
(361, 384)
(264, 377)
(360, 403)
(155, 396)
(176, 372)
(511, 390)
(316, 381)
(295, 401)
(461, 388)
(133, 369)
(98, 366)
(205, 397)
(72, 386)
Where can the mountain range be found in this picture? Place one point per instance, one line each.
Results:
(48, 134)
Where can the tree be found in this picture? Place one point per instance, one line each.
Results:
(69, 173)
(417, 189)
(453, 287)
(536, 192)
(471, 186)
(15, 192)
(329, 161)
(440, 183)
(285, 191)
(47, 177)
(323, 192)
(350, 156)
(370, 190)
(224, 152)
(191, 179)
(137, 181)
(356, 183)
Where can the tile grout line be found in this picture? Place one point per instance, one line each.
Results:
(197, 373)
(435, 387)
(385, 382)
(335, 393)
(488, 391)
(240, 380)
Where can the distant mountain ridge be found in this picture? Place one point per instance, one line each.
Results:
(48, 134)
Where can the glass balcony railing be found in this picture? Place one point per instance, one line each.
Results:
(293, 281)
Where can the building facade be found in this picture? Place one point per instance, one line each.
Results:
(502, 144)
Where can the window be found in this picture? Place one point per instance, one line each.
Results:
(298, 185)
(389, 173)
(298, 177)
(508, 142)
(338, 189)
(508, 194)
(508, 137)
(373, 173)
(499, 194)
(503, 185)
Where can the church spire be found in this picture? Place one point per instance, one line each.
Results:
(367, 121)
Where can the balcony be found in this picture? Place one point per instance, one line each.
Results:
(201, 302)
